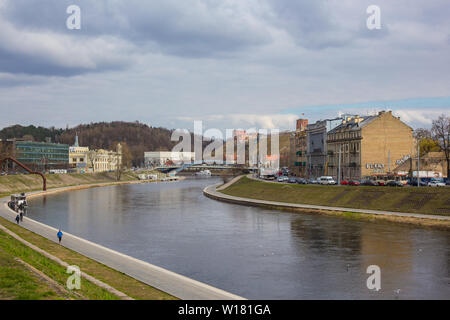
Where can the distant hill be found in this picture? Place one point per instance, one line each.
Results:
(38, 133)
(139, 137)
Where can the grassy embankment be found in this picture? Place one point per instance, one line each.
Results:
(14, 284)
(434, 201)
(18, 282)
(25, 183)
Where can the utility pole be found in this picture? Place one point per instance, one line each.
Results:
(258, 170)
(418, 163)
(310, 169)
(339, 166)
(389, 161)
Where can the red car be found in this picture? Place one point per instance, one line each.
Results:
(353, 183)
(344, 182)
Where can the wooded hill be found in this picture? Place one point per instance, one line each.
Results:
(104, 135)
(137, 136)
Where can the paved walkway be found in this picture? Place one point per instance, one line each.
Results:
(212, 192)
(162, 279)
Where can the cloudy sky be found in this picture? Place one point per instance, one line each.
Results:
(230, 63)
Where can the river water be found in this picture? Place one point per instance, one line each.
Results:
(254, 252)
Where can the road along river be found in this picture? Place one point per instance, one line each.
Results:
(253, 252)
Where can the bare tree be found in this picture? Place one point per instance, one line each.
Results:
(441, 132)
(92, 156)
(5, 149)
(422, 133)
(124, 159)
(426, 141)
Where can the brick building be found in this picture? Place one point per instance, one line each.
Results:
(368, 146)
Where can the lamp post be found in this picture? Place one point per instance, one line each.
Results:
(389, 161)
(258, 169)
(339, 166)
(418, 162)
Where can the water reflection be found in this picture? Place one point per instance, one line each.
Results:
(250, 251)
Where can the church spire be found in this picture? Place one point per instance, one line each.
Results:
(76, 140)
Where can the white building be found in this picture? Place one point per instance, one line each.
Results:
(161, 158)
(84, 160)
(78, 157)
(104, 160)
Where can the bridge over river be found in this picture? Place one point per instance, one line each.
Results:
(199, 167)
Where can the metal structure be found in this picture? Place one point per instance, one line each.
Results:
(44, 179)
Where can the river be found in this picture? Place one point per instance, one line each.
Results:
(253, 252)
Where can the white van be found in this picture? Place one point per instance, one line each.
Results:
(326, 180)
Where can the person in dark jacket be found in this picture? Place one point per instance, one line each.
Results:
(17, 219)
(59, 234)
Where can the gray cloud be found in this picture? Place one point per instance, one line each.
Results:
(193, 29)
(166, 60)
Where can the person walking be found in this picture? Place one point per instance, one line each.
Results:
(59, 234)
(17, 219)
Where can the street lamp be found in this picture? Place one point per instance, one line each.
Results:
(418, 162)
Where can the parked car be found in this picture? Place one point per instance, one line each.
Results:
(436, 183)
(413, 182)
(282, 179)
(313, 181)
(344, 182)
(381, 183)
(394, 183)
(301, 181)
(326, 180)
(354, 183)
(292, 180)
(368, 183)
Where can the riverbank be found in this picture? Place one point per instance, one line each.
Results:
(151, 282)
(28, 182)
(49, 277)
(426, 206)
(30, 273)
(26, 274)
